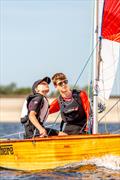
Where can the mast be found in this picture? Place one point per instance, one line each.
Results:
(95, 71)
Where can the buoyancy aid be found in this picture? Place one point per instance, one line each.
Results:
(73, 111)
(24, 117)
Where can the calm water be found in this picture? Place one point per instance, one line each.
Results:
(105, 168)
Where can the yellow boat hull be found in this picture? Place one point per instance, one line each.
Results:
(52, 152)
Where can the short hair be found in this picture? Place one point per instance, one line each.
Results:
(58, 76)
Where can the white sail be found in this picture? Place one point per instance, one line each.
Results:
(108, 67)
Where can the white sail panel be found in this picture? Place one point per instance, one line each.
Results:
(108, 67)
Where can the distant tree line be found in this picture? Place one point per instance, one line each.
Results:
(13, 90)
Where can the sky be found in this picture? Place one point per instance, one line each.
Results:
(41, 37)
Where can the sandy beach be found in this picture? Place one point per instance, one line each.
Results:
(10, 111)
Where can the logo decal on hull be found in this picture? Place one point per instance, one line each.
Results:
(6, 150)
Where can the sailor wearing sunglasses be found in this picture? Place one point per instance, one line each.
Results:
(73, 104)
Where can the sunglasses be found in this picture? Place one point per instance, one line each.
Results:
(62, 82)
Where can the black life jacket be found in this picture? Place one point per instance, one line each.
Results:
(72, 112)
(25, 119)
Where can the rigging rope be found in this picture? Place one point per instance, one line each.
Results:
(9, 135)
(85, 64)
(114, 132)
(109, 110)
(18, 133)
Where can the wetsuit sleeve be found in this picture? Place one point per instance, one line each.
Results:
(85, 103)
(54, 107)
(34, 104)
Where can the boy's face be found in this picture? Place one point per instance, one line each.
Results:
(42, 88)
(62, 85)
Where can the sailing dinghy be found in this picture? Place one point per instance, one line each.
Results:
(52, 152)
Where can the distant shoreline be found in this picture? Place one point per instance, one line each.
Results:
(25, 95)
(10, 110)
(13, 96)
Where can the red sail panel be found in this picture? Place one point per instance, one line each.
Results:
(111, 20)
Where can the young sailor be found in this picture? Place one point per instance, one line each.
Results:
(36, 109)
(73, 104)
